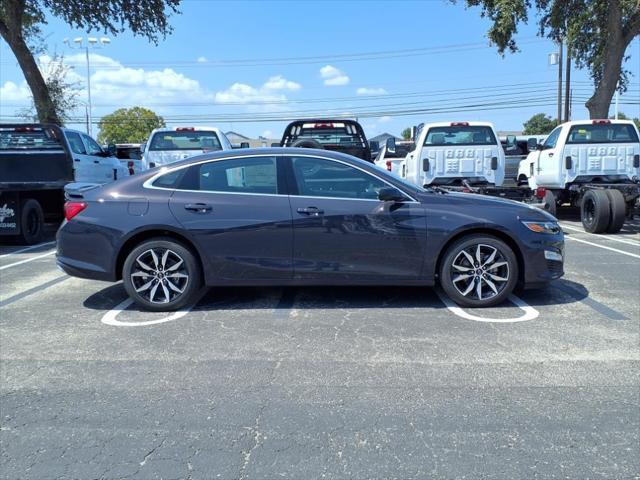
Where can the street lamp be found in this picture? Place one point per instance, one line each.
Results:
(93, 42)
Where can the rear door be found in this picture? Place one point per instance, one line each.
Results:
(342, 232)
(237, 211)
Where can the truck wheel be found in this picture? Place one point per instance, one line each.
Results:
(479, 271)
(618, 210)
(550, 202)
(31, 222)
(522, 181)
(595, 212)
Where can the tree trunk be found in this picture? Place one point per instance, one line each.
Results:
(33, 76)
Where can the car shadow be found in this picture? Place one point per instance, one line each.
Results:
(285, 298)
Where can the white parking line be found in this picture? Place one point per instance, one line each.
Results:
(530, 313)
(604, 237)
(110, 318)
(603, 246)
(26, 249)
(27, 260)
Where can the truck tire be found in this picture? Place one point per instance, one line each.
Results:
(595, 212)
(31, 222)
(550, 202)
(618, 210)
(307, 143)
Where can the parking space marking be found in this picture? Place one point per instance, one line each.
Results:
(37, 288)
(27, 260)
(530, 313)
(111, 317)
(26, 249)
(603, 246)
(613, 239)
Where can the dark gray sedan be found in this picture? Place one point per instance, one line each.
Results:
(287, 216)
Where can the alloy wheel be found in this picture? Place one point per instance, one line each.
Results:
(159, 275)
(480, 272)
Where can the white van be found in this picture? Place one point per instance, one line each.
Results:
(168, 145)
(448, 153)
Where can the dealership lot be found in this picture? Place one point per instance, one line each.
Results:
(324, 382)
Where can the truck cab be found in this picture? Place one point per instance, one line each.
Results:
(92, 163)
(450, 153)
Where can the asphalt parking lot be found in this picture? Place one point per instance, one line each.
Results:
(324, 382)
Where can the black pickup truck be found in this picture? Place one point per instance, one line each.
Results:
(338, 135)
(35, 165)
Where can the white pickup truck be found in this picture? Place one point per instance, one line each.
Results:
(453, 153)
(593, 164)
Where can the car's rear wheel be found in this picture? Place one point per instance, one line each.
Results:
(162, 275)
(479, 271)
(617, 210)
(595, 211)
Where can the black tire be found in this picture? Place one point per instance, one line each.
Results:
(455, 288)
(595, 212)
(134, 279)
(307, 143)
(522, 181)
(617, 210)
(551, 203)
(31, 222)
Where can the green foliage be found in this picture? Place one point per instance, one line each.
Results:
(128, 125)
(539, 124)
(406, 133)
(622, 116)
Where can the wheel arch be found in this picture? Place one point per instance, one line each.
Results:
(493, 232)
(148, 234)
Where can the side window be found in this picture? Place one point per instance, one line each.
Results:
(75, 143)
(92, 146)
(317, 177)
(552, 139)
(169, 180)
(241, 175)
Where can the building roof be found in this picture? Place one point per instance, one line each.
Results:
(383, 137)
(236, 134)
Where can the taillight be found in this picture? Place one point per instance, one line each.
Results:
(71, 209)
(185, 129)
(459, 124)
(601, 122)
(389, 165)
(130, 167)
(540, 192)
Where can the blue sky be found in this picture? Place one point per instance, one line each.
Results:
(230, 59)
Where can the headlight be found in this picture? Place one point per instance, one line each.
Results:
(543, 227)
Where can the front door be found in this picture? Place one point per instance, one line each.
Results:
(342, 232)
(238, 214)
(103, 165)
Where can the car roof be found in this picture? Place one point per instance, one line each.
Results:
(590, 121)
(448, 124)
(195, 128)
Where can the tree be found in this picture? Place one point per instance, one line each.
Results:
(63, 94)
(128, 125)
(597, 32)
(406, 133)
(539, 124)
(21, 24)
(622, 116)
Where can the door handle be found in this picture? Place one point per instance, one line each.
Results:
(311, 211)
(96, 161)
(551, 154)
(76, 159)
(198, 207)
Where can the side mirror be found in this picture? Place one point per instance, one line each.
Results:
(111, 150)
(390, 194)
(511, 140)
(374, 145)
(391, 144)
(532, 144)
(244, 145)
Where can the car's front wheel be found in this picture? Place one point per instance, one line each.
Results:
(479, 271)
(162, 275)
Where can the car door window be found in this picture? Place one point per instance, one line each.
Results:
(92, 146)
(241, 175)
(551, 140)
(75, 143)
(317, 177)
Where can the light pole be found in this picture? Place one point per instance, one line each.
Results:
(78, 43)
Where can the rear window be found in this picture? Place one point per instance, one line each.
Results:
(603, 133)
(334, 133)
(460, 135)
(28, 139)
(185, 140)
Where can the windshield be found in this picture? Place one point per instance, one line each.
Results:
(27, 138)
(603, 133)
(185, 140)
(460, 135)
(337, 134)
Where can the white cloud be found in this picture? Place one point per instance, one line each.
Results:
(333, 76)
(12, 92)
(371, 91)
(385, 119)
(270, 91)
(267, 134)
(202, 60)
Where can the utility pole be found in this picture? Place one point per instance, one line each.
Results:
(617, 99)
(567, 91)
(559, 81)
